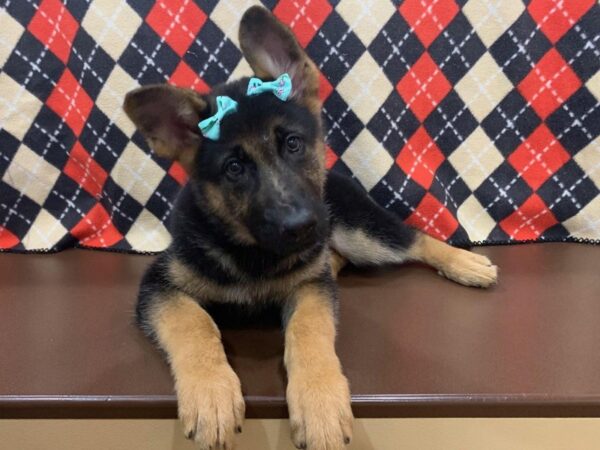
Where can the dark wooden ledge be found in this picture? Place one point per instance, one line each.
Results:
(412, 344)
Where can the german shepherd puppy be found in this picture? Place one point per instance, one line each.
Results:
(262, 222)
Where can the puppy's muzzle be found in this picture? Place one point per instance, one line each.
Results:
(299, 226)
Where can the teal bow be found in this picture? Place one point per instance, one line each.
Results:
(211, 127)
(281, 87)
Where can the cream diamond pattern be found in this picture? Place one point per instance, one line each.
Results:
(367, 159)
(476, 159)
(31, 174)
(17, 106)
(110, 100)
(491, 18)
(112, 24)
(477, 222)
(137, 173)
(365, 88)
(365, 16)
(45, 232)
(483, 87)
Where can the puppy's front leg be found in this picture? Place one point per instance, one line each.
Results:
(459, 265)
(367, 234)
(318, 394)
(209, 395)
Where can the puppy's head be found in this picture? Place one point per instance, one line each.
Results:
(263, 177)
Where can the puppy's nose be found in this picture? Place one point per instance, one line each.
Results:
(299, 224)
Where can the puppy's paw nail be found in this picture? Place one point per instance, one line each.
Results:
(346, 440)
(238, 429)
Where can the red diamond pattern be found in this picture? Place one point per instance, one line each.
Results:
(549, 84)
(55, 27)
(304, 17)
(325, 87)
(177, 172)
(539, 157)
(96, 229)
(184, 76)
(177, 21)
(433, 218)
(330, 157)
(423, 87)
(420, 158)
(83, 169)
(7, 239)
(70, 101)
(530, 220)
(557, 17)
(428, 18)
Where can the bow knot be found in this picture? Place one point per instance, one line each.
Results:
(211, 127)
(281, 87)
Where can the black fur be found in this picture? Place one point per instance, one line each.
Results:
(351, 207)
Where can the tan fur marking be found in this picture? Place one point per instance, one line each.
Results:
(209, 396)
(261, 147)
(182, 325)
(319, 174)
(318, 394)
(164, 150)
(219, 208)
(269, 288)
(337, 263)
(459, 265)
(356, 245)
(264, 148)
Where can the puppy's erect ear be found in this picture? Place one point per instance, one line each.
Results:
(272, 49)
(168, 118)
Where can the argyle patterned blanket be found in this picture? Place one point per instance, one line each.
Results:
(476, 121)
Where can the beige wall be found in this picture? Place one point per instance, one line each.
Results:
(370, 434)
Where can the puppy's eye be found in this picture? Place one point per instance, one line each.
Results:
(234, 168)
(293, 143)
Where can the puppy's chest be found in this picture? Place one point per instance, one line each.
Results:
(272, 289)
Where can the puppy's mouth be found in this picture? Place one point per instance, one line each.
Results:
(300, 245)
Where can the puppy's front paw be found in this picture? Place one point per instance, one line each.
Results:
(470, 269)
(320, 413)
(211, 407)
